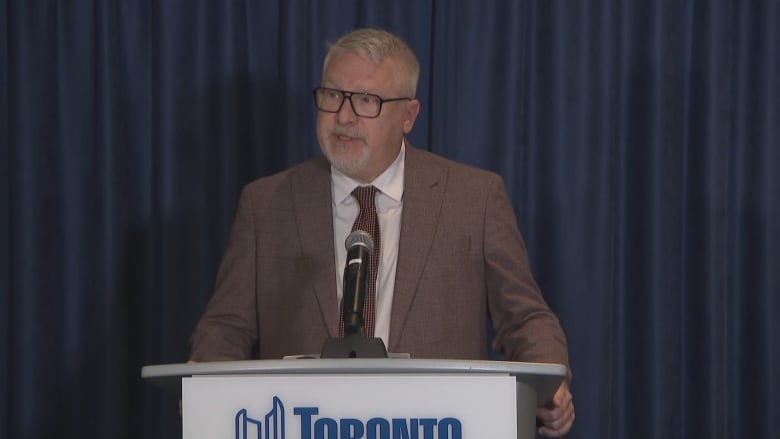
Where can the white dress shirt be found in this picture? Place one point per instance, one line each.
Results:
(389, 204)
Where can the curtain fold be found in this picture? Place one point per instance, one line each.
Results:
(638, 142)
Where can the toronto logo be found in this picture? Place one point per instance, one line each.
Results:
(272, 425)
(313, 425)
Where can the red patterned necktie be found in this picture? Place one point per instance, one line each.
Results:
(367, 221)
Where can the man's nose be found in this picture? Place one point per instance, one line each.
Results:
(346, 114)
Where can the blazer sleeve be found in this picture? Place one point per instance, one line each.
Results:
(526, 328)
(228, 328)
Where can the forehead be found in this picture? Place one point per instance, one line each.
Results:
(350, 71)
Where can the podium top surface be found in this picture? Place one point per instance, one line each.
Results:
(543, 377)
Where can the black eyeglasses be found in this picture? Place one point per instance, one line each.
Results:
(366, 105)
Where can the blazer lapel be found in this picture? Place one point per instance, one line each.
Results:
(314, 220)
(424, 183)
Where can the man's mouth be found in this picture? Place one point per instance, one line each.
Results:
(342, 137)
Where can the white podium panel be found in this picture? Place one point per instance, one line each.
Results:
(338, 406)
(340, 398)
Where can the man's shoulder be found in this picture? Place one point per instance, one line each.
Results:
(307, 172)
(457, 170)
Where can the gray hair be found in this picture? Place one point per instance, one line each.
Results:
(376, 45)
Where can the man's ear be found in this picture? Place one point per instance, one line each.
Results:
(410, 115)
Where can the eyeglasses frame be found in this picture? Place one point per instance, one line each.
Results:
(347, 95)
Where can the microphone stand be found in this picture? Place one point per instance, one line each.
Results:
(354, 346)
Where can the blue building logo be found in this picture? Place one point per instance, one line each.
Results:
(272, 425)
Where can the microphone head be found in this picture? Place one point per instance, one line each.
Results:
(360, 237)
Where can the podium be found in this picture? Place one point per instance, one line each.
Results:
(358, 398)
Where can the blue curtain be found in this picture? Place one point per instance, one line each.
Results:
(639, 141)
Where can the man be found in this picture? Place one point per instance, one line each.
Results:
(449, 252)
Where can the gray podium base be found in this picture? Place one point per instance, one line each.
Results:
(526, 419)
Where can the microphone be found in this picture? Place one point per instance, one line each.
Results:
(359, 246)
(355, 344)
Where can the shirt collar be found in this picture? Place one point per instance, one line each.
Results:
(390, 182)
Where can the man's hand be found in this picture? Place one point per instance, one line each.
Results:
(557, 416)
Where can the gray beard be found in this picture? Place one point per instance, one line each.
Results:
(349, 167)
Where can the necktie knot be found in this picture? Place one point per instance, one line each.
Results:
(367, 219)
(365, 196)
